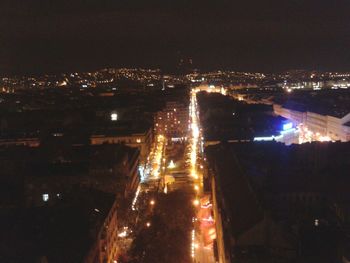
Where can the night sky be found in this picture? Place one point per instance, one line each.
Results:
(39, 36)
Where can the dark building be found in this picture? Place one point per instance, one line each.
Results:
(80, 227)
(227, 119)
(41, 175)
(275, 202)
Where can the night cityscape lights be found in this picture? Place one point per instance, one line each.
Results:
(174, 131)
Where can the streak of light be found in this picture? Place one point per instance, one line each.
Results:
(135, 198)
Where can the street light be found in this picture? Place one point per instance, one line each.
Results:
(171, 165)
(152, 202)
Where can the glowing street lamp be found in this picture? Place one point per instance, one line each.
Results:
(171, 165)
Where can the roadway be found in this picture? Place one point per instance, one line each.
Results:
(184, 173)
(202, 243)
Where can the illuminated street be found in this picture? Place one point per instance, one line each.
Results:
(204, 233)
(174, 166)
(157, 157)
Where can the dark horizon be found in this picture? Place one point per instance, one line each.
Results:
(46, 37)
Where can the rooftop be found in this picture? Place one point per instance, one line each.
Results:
(239, 200)
(226, 119)
(62, 233)
(325, 102)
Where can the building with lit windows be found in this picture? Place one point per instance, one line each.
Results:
(139, 136)
(69, 193)
(333, 124)
(32, 142)
(105, 247)
(47, 174)
(172, 120)
(81, 226)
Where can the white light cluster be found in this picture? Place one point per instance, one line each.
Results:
(135, 198)
(114, 116)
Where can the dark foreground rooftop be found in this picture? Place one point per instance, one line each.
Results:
(61, 233)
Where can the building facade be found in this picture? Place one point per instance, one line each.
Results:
(105, 248)
(141, 140)
(335, 127)
(172, 120)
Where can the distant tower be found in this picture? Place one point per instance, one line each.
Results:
(184, 65)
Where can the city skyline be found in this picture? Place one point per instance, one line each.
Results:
(44, 37)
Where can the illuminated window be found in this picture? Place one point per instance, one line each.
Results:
(45, 197)
(114, 116)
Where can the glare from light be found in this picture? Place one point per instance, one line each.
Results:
(171, 165)
(45, 197)
(287, 126)
(114, 116)
(122, 234)
(316, 222)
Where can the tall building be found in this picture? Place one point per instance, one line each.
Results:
(172, 120)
